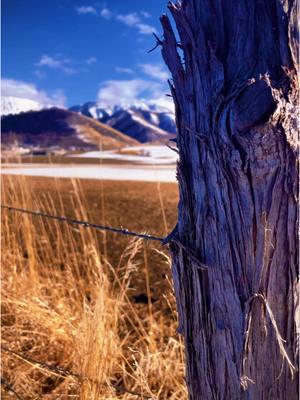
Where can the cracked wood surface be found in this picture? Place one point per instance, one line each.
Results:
(234, 83)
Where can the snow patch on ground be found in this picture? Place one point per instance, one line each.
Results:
(125, 173)
(152, 155)
(81, 134)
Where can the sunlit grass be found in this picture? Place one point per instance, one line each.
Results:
(70, 297)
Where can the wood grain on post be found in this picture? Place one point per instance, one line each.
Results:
(235, 83)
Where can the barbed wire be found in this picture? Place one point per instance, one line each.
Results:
(63, 372)
(85, 224)
(9, 388)
(57, 369)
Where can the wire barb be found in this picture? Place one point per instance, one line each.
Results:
(9, 388)
(64, 373)
(85, 224)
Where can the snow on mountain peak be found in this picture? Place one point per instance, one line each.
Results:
(16, 105)
(144, 121)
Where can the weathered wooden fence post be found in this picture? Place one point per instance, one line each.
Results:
(235, 88)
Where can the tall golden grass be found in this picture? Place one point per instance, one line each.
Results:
(65, 305)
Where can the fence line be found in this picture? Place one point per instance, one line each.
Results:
(9, 389)
(85, 224)
(63, 372)
(57, 369)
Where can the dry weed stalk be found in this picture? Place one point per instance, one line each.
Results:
(65, 306)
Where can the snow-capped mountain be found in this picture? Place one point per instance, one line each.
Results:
(17, 105)
(55, 128)
(94, 110)
(142, 121)
(145, 122)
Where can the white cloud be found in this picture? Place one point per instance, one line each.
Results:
(146, 29)
(134, 21)
(50, 62)
(165, 102)
(84, 10)
(56, 63)
(91, 60)
(106, 13)
(115, 92)
(129, 19)
(124, 70)
(24, 90)
(156, 71)
(126, 91)
(146, 14)
(58, 98)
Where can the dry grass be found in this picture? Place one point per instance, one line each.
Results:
(76, 299)
(9, 157)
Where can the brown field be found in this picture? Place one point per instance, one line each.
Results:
(59, 159)
(64, 159)
(98, 305)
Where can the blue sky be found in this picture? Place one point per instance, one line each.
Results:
(69, 52)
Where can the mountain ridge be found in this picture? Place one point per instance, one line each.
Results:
(60, 129)
(145, 122)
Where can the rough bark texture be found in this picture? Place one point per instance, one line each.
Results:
(234, 85)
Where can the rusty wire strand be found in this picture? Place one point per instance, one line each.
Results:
(9, 388)
(85, 224)
(62, 372)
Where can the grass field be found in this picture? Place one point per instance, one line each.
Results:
(98, 305)
(59, 159)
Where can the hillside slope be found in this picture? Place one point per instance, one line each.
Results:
(142, 121)
(60, 129)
